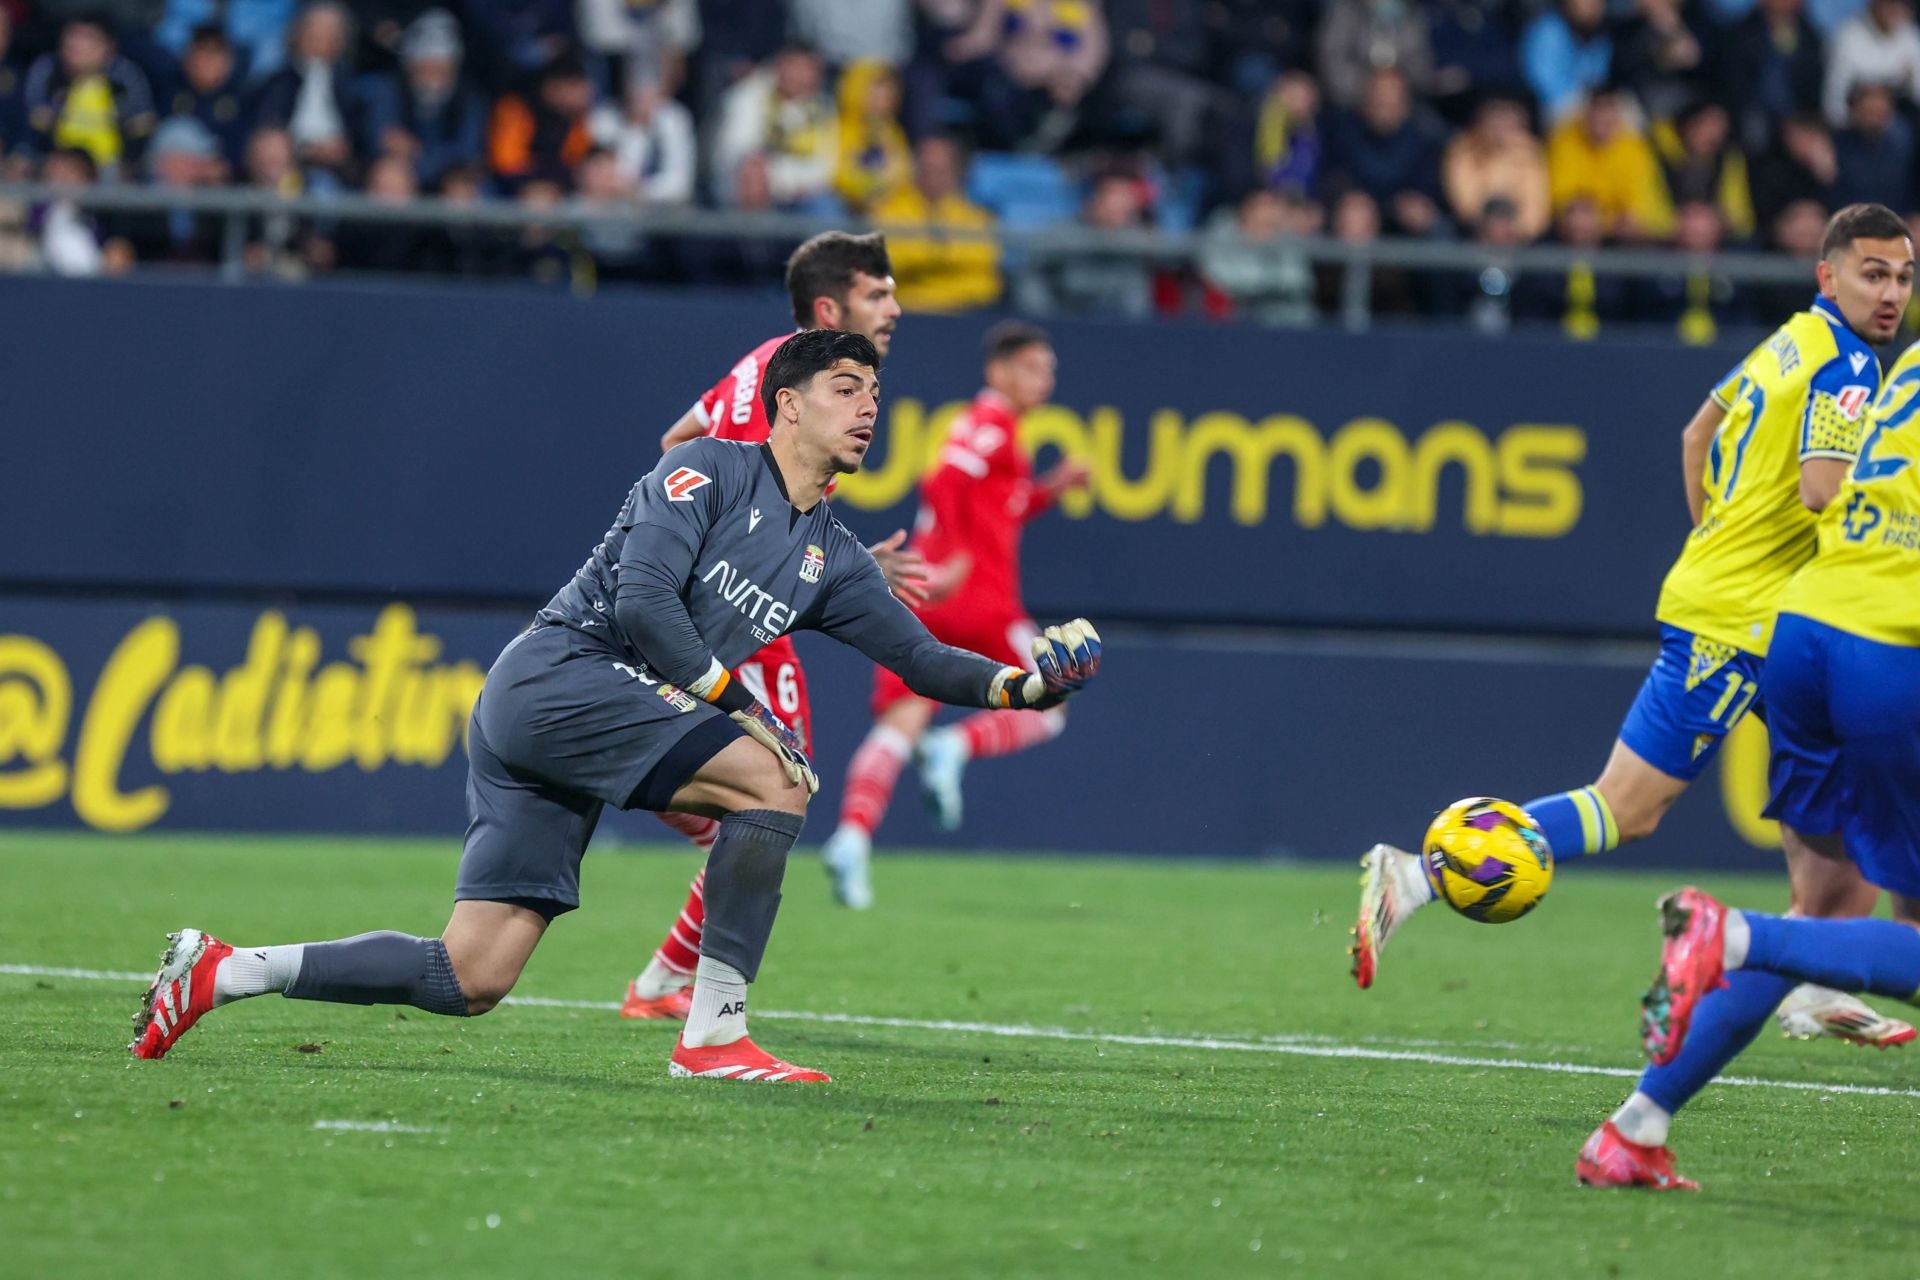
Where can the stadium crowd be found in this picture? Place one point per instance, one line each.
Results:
(1696, 124)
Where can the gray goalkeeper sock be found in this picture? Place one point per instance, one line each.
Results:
(380, 968)
(744, 872)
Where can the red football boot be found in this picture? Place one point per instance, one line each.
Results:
(181, 992)
(1609, 1160)
(1690, 966)
(674, 1004)
(740, 1060)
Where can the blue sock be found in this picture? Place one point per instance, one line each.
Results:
(1724, 1024)
(1576, 823)
(1878, 956)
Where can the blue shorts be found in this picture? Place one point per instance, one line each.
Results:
(565, 726)
(1845, 728)
(1696, 692)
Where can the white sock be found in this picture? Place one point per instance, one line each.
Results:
(1640, 1119)
(1411, 881)
(1735, 938)
(950, 739)
(719, 1013)
(657, 980)
(254, 971)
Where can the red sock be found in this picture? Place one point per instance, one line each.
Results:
(702, 831)
(680, 951)
(1001, 733)
(870, 778)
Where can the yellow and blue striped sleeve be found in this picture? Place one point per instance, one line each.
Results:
(1836, 411)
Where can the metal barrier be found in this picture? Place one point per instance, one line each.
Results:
(1357, 261)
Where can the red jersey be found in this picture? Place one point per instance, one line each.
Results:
(732, 409)
(975, 502)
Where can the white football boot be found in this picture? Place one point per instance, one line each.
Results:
(846, 855)
(942, 760)
(1810, 1012)
(1392, 887)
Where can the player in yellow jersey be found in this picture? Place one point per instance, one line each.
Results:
(1842, 689)
(1762, 457)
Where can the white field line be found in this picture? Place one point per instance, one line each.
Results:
(1303, 1047)
(370, 1126)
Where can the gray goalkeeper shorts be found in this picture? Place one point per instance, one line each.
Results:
(565, 726)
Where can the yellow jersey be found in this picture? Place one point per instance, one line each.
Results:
(1866, 578)
(1803, 393)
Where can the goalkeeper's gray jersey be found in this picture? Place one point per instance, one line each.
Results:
(709, 560)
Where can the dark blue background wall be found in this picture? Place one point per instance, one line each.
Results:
(205, 454)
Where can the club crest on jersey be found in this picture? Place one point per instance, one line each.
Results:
(1852, 400)
(677, 698)
(812, 564)
(682, 484)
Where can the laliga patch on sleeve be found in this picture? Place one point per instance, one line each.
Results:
(680, 486)
(1852, 401)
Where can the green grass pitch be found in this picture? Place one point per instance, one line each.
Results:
(1318, 1130)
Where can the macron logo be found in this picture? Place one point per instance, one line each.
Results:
(1859, 360)
(680, 486)
(753, 521)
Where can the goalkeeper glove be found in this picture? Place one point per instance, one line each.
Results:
(765, 728)
(1067, 658)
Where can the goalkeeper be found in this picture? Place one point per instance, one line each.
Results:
(619, 694)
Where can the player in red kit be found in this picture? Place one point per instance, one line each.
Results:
(973, 506)
(835, 281)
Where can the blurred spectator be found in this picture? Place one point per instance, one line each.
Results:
(1158, 86)
(1798, 230)
(1386, 151)
(310, 97)
(210, 92)
(1498, 158)
(651, 138)
(1655, 57)
(936, 273)
(1598, 155)
(184, 155)
(640, 37)
(1770, 67)
(13, 102)
(1359, 37)
(1874, 153)
(71, 242)
(1254, 39)
(1578, 300)
(425, 113)
(601, 187)
(86, 97)
(755, 261)
(112, 16)
(782, 112)
(1252, 262)
(278, 244)
(1278, 145)
(1109, 282)
(850, 31)
(1880, 46)
(1801, 165)
(1355, 222)
(1696, 300)
(1701, 162)
(542, 140)
(549, 255)
(255, 32)
(1564, 54)
(737, 37)
(1036, 61)
(1489, 305)
(874, 156)
(387, 247)
(1473, 53)
(509, 42)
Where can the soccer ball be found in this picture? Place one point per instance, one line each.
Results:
(1487, 860)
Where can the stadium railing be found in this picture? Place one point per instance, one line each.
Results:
(1356, 262)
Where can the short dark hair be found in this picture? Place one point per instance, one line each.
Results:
(824, 267)
(1010, 336)
(807, 353)
(1861, 222)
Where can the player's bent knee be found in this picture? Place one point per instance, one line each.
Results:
(1638, 823)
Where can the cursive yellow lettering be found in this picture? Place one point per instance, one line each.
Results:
(134, 673)
(36, 700)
